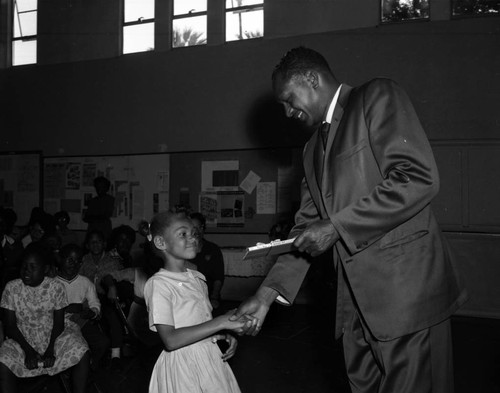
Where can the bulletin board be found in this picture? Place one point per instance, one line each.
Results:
(238, 191)
(20, 184)
(139, 184)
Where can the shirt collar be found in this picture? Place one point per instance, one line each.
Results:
(331, 108)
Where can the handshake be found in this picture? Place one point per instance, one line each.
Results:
(248, 318)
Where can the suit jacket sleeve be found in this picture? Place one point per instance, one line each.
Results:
(406, 164)
(290, 269)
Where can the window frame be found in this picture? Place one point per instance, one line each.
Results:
(473, 15)
(23, 38)
(187, 16)
(250, 7)
(137, 22)
(412, 20)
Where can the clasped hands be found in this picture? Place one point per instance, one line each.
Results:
(316, 238)
(34, 360)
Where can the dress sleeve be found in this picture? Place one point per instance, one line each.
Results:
(158, 297)
(59, 295)
(7, 301)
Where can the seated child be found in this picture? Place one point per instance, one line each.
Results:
(67, 235)
(96, 265)
(38, 341)
(84, 307)
(137, 318)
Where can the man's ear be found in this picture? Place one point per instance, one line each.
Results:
(160, 243)
(312, 78)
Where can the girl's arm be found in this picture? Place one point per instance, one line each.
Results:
(12, 331)
(177, 338)
(57, 329)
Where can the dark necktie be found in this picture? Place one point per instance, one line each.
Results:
(323, 131)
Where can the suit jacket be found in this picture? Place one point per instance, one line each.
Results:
(375, 182)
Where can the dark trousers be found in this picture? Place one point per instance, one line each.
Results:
(112, 322)
(420, 362)
(97, 341)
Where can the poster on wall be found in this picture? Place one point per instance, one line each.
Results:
(20, 183)
(223, 209)
(139, 184)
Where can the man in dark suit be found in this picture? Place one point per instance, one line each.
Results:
(370, 176)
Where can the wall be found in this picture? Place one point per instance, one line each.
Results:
(218, 96)
(134, 103)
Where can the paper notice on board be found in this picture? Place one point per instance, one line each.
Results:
(266, 198)
(73, 175)
(249, 183)
(162, 181)
(219, 175)
(54, 180)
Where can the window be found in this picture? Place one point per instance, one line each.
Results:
(403, 10)
(244, 19)
(475, 7)
(189, 23)
(138, 26)
(25, 31)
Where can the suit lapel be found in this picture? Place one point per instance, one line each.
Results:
(317, 163)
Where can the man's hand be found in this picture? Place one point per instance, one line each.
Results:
(317, 238)
(255, 308)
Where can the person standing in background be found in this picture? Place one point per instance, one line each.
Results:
(100, 208)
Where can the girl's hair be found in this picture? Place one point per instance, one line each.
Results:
(66, 250)
(38, 251)
(162, 221)
(117, 232)
(94, 232)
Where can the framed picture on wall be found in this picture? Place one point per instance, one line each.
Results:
(404, 10)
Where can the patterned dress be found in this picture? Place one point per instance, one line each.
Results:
(180, 300)
(34, 308)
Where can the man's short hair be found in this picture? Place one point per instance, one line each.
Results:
(298, 61)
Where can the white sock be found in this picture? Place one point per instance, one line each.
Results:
(115, 352)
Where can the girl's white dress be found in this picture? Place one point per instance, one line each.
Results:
(180, 300)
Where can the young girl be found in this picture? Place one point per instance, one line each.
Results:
(34, 322)
(180, 311)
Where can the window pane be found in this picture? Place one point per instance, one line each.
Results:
(189, 31)
(23, 52)
(25, 5)
(137, 9)
(138, 38)
(25, 24)
(475, 7)
(241, 3)
(242, 25)
(400, 10)
(186, 6)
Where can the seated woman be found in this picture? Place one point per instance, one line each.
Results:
(38, 341)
